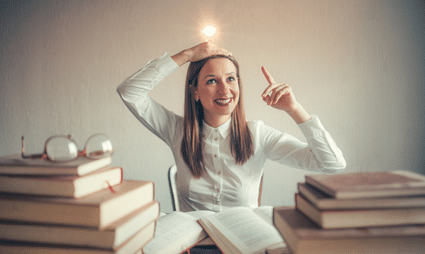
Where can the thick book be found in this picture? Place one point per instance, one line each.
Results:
(111, 237)
(132, 245)
(368, 185)
(16, 165)
(305, 237)
(97, 210)
(360, 217)
(243, 230)
(176, 232)
(325, 202)
(62, 186)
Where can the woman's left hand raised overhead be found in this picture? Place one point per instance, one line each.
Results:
(280, 96)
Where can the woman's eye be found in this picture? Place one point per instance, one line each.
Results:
(231, 79)
(211, 81)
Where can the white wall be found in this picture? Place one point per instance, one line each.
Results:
(357, 64)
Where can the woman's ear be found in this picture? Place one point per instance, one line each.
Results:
(194, 92)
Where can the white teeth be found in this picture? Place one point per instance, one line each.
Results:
(223, 101)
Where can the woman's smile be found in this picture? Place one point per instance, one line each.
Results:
(223, 102)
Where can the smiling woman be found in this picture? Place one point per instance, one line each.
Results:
(220, 155)
(214, 96)
(217, 90)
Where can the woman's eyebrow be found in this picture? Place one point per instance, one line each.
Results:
(212, 75)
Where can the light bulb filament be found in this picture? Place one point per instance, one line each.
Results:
(209, 30)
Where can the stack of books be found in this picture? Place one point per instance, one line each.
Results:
(375, 212)
(79, 206)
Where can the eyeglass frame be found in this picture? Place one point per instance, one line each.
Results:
(44, 155)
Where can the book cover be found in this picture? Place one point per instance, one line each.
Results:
(60, 185)
(325, 202)
(371, 184)
(97, 210)
(305, 237)
(110, 237)
(16, 165)
(351, 218)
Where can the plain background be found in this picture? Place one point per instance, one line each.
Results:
(357, 64)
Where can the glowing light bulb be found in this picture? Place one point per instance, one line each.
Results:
(209, 31)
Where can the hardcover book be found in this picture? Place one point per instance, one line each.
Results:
(111, 237)
(132, 245)
(97, 210)
(368, 185)
(16, 165)
(62, 185)
(351, 218)
(305, 237)
(325, 202)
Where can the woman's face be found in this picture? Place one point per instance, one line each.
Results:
(218, 90)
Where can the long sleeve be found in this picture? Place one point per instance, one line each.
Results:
(134, 92)
(319, 154)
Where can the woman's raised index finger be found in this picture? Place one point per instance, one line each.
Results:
(267, 75)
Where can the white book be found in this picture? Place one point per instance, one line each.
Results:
(244, 230)
(176, 232)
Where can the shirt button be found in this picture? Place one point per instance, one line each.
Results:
(216, 139)
(219, 172)
(215, 155)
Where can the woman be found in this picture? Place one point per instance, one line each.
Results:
(220, 156)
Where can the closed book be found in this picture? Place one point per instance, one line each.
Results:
(360, 217)
(63, 186)
(132, 245)
(111, 237)
(325, 202)
(370, 184)
(16, 165)
(97, 210)
(303, 236)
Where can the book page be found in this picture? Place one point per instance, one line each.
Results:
(243, 229)
(175, 232)
(265, 213)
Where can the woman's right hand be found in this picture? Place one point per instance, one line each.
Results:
(199, 52)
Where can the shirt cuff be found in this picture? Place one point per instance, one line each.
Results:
(165, 65)
(311, 127)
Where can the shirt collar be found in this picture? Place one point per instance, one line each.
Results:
(223, 129)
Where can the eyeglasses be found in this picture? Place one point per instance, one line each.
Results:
(63, 148)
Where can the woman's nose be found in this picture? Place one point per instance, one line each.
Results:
(223, 87)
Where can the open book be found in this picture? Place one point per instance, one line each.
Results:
(176, 232)
(244, 230)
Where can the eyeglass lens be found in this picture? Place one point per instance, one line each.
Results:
(98, 146)
(62, 148)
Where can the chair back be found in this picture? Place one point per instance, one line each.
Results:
(172, 182)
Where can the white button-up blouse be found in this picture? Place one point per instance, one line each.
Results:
(225, 184)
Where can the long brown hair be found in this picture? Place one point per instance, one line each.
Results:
(192, 146)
